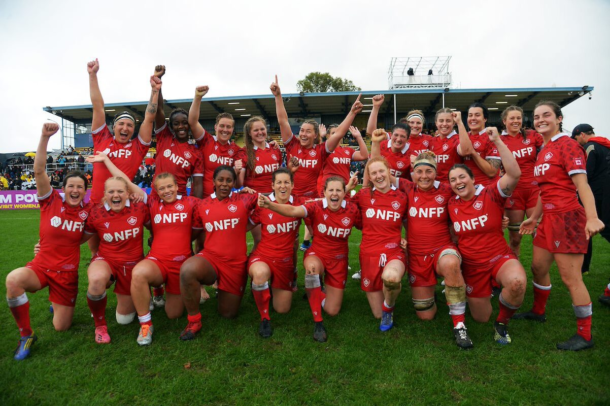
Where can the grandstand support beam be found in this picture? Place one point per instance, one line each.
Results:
(521, 102)
(569, 100)
(261, 109)
(485, 97)
(216, 107)
(346, 107)
(433, 103)
(303, 107)
(389, 104)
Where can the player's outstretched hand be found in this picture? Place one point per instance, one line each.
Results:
(159, 71)
(201, 91)
(246, 189)
(528, 226)
(155, 83)
(293, 164)
(93, 66)
(48, 129)
(323, 131)
(98, 157)
(353, 182)
(379, 135)
(238, 165)
(275, 88)
(263, 201)
(354, 131)
(378, 100)
(357, 106)
(493, 134)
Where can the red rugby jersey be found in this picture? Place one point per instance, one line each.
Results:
(121, 234)
(311, 161)
(338, 164)
(557, 161)
(172, 224)
(525, 151)
(268, 160)
(446, 153)
(61, 230)
(181, 159)
(487, 150)
(419, 143)
(127, 157)
(478, 225)
(400, 162)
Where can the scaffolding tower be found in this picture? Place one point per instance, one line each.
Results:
(419, 72)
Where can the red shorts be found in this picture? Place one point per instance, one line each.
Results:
(335, 269)
(282, 270)
(170, 270)
(563, 233)
(63, 286)
(231, 275)
(523, 199)
(371, 267)
(422, 268)
(479, 278)
(121, 274)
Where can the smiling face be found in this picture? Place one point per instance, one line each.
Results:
(224, 130)
(282, 187)
(476, 119)
(116, 194)
(334, 192)
(445, 124)
(307, 135)
(167, 189)
(123, 130)
(180, 126)
(513, 122)
(424, 176)
(461, 183)
(416, 125)
(379, 175)
(223, 183)
(74, 191)
(258, 133)
(399, 139)
(546, 121)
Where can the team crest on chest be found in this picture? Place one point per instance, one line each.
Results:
(179, 206)
(347, 152)
(232, 208)
(83, 215)
(478, 205)
(477, 144)
(548, 156)
(445, 147)
(426, 143)
(400, 164)
(187, 155)
(312, 153)
(132, 220)
(128, 145)
(439, 199)
(526, 141)
(345, 221)
(395, 205)
(230, 152)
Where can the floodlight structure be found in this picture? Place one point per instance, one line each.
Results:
(419, 72)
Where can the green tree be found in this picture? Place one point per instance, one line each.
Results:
(317, 82)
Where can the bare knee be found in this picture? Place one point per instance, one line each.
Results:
(62, 325)
(427, 315)
(332, 310)
(516, 286)
(227, 314)
(14, 284)
(281, 308)
(173, 314)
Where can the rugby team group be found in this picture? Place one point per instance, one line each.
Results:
(453, 193)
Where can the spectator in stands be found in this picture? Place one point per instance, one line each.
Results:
(81, 160)
(3, 183)
(50, 160)
(55, 184)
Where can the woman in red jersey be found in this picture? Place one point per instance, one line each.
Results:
(562, 236)
(418, 142)
(62, 220)
(524, 146)
(271, 261)
(224, 216)
(217, 150)
(430, 249)
(119, 224)
(175, 223)
(477, 213)
(445, 144)
(382, 257)
(332, 219)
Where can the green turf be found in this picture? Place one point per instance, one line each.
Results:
(415, 363)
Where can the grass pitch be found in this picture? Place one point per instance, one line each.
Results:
(415, 363)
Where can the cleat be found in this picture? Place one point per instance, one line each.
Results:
(101, 335)
(190, 331)
(304, 247)
(605, 300)
(541, 318)
(145, 334)
(501, 333)
(387, 321)
(461, 338)
(158, 301)
(357, 275)
(25, 345)
(265, 330)
(495, 291)
(319, 332)
(575, 343)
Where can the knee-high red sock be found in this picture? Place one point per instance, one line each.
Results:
(506, 311)
(314, 295)
(20, 307)
(262, 296)
(607, 290)
(541, 296)
(158, 291)
(583, 320)
(97, 305)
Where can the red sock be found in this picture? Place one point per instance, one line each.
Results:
(262, 298)
(505, 313)
(387, 309)
(607, 291)
(194, 319)
(98, 310)
(458, 318)
(541, 296)
(314, 295)
(21, 314)
(322, 298)
(584, 327)
(158, 291)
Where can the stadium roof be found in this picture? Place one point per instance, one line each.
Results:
(318, 104)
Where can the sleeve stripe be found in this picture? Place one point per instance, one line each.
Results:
(198, 174)
(493, 157)
(96, 131)
(305, 208)
(577, 171)
(160, 128)
(501, 192)
(45, 196)
(142, 141)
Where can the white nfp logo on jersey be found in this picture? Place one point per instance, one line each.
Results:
(56, 221)
(321, 228)
(221, 224)
(540, 170)
(213, 158)
(170, 218)
(258, 170)
(382, 214)
(177, 159)
(271, 229)
(470, 224)
(426, 212)
(69, 225)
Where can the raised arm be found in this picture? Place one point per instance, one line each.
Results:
(488, 166)
(371, 125)
(508, 182)
(280, 111)
(151, 110)
(335, 139)
(283, 209)
(363, 153)
(160, 117)
(43, 183)
(194, 124)
(377, 137)
(114, 171)
(99, 115)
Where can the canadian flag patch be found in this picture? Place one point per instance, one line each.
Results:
(478, 205)
(132, 220)
(232, 208)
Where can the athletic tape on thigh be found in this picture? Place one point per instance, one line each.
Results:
(514, 227)
(583, 311)
(422, 305)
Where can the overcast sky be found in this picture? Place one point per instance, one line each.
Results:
(236, 47)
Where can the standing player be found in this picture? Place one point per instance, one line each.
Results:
(332, 219)
(120, 226)
(418, 142)
(382, 257)
(478, 152)
(224, 216)
(566, 226)
(445, 144)
(62, 221)
(524, 146)
(272, 260)
(477, 213)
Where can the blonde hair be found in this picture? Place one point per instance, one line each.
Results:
(425, 158)
(162, 176)
(371, 161)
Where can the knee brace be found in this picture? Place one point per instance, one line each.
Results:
(125, 318)
(515, 226)
(421, 305)
(455, 294)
